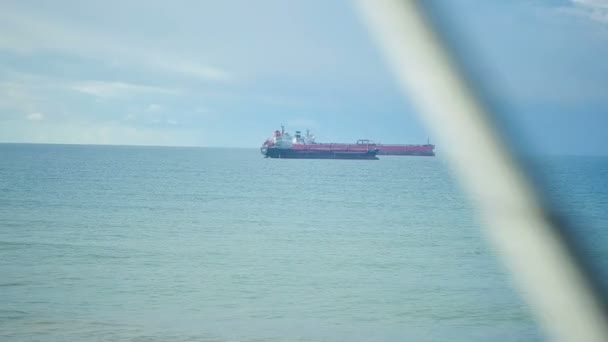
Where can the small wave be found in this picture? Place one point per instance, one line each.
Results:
(12, 284)
(12, 314)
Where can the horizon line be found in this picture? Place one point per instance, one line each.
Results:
(538, 153)
(119, 145)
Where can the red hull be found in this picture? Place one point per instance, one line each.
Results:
(387, 150)
(407, 150)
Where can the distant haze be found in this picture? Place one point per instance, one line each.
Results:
(228, 73)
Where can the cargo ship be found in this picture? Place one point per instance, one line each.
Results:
(283, 145)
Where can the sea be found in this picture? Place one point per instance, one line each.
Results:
(123, 243)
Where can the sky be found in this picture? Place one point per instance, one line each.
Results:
(228, 73)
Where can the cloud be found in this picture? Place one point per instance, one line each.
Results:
(78, 132)
(35, 116)
(596, 10)
(171, 122)
(594, 5)
(105, 89)
(30, 32)
(26, 96)
(153, 107)
(173, 64)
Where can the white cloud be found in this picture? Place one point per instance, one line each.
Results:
(172, 122)
(78, 132)
(594, 5)
(105, 89)
(153, 107)
(596, 10)
(35, 116)
(18, 97)
(30, 32)
(173, 64)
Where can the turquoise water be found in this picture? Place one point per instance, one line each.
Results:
(193, 244)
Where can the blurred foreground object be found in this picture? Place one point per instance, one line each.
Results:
(559, 292)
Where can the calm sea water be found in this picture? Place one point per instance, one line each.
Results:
(193, 244)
